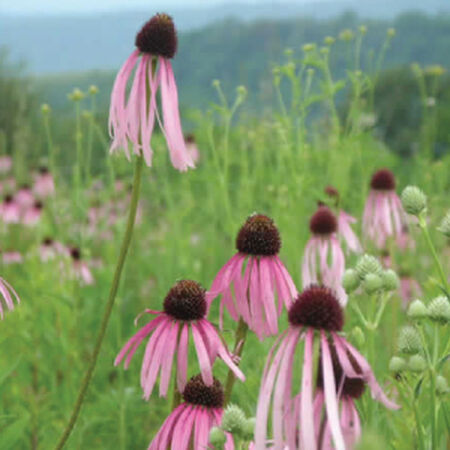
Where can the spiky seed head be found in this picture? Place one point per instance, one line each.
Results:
(45, 108)
(186, 301)
(409, 341)
(390, 280)
(383, 180)
(417, 363)
(372, 283)
(350, 280)
(439, 310)
(197, 392)
(444, 227)
(93, 89)
(441, 385)
(414, 201)
(248, 430)
(397, 364)
(368, 264)
(76, 95)
(233, 419)
(323, 222)
(417, 310)
(217, 438)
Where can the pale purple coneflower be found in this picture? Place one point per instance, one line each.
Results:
(47, 250)
(80, 268)
(9, 294)
(384, 216)
(316, 314)
(323, 258)
(189, 424)
(12, 257)
(184, 314)
(10, 210)
(409, 290)
(44, 185)
(5, 164)
(254, 283)
(32, 214)
(24, 197)
(132, 121)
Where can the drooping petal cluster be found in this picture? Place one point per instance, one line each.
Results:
(131, 121)
(346, 232)
(8, 294)
(254, 283)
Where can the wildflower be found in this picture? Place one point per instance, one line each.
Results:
(133, 120)
(12, 257)
(414, 201)
(350, 280)
(10, 210)
(233, 419)
(409, 341)
(444, 228)
(383, 214)
(397, 364)
(192, 421)
(316, 312)
(192, 148)
(184, 312)
(417, 310)
(255, 275)
(44, 185)
(368, 264)
(24, 197)
(324, 248)
(5, 164)
(32, 214)
(409, 289)
(80, 267)
(8, 294)
(439, 309)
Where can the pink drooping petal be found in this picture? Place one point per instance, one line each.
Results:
(283, 274)
(242, 291)
(182, 358)
(183, 431)
(179, 155)
(348, 425)
(223, 278)
(306, 431)
(202, 355)
(163, 438)
(331, 403)
(267, 295)
(202, 427)
(167, 362)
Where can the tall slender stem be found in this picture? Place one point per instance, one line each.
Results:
(109, 305)
(241, 334)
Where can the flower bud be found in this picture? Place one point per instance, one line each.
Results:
(390, 280)
(368, 264)
(363, 29)
(417, 310)
(409, 341)
(372, 283)
(45, 108)
(76, 95)
(93, 89)
(248, 430)
(414, 201)
(444, 228)
(217, 437)
(391, 32)
(439, 310)
(417, 363)
(397, 364)
(233, 419)
(346, 35)
(309, 47)
(350, 280)
(441, 385)
(329, 40)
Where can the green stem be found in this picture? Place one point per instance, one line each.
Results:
(109, 305)
(426, 233)
(241, 334)
(420, 437)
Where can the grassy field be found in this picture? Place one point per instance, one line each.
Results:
(277, 164)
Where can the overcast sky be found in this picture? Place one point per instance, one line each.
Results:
(87, 6)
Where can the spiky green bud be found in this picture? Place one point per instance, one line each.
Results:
(391, 32)
(444, 227)
(417, 363)
(233, 419)
(248, 430)
(309, 47)
(350, 280)
(439, 310)
(368, 264)
(397, 364)
(363, 29)
(417, 310)
(346, 35)
(76, 95)
(372, 283)
(414, 201)
(45, 108)
(217, 438)
(409, 341)
(93, 89)
(441, 385)
(329, 40)
(390, 280)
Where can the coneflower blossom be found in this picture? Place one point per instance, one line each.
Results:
(10, 210)
(80, 268)
(44, 185)
(5, 164)
(383, 214)
(24, 197)
(9, 294)
(189, 424)
(11, 257)
(254, 280)
(133, 120)
(316, 314)
(32, 214)
(323, 259)
(184, 313)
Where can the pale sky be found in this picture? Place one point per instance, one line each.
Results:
(47, 7)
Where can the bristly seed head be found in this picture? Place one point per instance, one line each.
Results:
(197, 392)
(158, 37)
(186, 301)
(47, 241)
(331, 191)
(8, 198)
(259, 236)
(383, 180)
(190, 138)
(350, 387)
(317, 307)
(323, 221)
(43, 170)
(75, 253)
